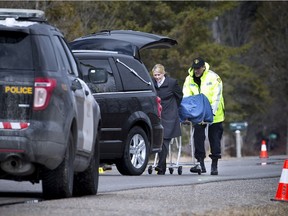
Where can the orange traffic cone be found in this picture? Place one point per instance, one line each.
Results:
(282, 191)
(263, 153)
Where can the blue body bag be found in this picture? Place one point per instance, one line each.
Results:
(196, 109)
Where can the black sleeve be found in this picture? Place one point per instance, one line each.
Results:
(177, 91)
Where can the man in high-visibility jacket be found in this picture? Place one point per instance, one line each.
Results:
(203, 80)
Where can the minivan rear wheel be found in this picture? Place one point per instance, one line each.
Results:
(136, 153)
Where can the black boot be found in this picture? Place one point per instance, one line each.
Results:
(199, 169)
(214, 170)
(196, 169)
(203, 168)
(160, 171)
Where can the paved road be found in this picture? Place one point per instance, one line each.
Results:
(241, 182)
(229, 169)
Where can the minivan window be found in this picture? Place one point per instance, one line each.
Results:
(141, 82)
(15, 51)
(88, 65)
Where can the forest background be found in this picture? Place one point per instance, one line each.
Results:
(245, 42)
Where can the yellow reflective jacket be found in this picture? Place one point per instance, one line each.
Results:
(211, 87)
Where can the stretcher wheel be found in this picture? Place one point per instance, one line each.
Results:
(180, 170)
(150, 170)
(171, 170)
(199, 172)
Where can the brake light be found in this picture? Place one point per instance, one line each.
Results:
(159, 106)
(43, 88)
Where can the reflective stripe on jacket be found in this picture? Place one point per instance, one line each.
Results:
(211, 87)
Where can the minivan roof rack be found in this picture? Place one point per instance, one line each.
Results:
(22, 14)
(94, 51)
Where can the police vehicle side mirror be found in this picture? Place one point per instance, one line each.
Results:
(76, 85)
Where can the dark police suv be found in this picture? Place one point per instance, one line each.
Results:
(49, 120)
(121, 84)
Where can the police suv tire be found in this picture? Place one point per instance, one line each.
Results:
(58, 183)
(86, 183)
(136, 153)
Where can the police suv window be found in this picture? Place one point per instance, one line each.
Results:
(62, 54)
(69, 56)
(47, 61)
(15, 50)
(69, 64)
(103, 71)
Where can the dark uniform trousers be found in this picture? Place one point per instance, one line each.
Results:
(215, 132)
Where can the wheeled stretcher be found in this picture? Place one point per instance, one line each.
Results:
(195, 109)
(177, 164)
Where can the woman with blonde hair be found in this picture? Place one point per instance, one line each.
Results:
(171, 95)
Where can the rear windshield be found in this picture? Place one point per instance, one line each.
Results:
(15, 51)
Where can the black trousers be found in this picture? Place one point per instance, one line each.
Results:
(215, 132)
(163, 154)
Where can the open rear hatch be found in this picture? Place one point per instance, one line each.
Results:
(123, 41)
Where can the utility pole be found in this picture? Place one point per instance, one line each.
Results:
(36, 4)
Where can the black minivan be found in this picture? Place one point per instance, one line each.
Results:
(122, 86)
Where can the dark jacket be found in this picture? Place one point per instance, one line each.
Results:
(171, 96)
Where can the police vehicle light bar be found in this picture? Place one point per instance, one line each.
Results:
(21, 13)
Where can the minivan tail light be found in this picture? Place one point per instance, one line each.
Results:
(43, 89)
(159, 106)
